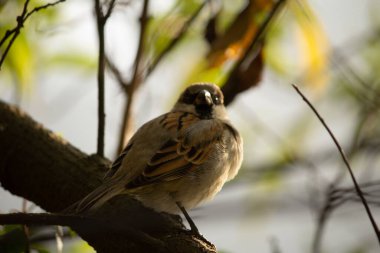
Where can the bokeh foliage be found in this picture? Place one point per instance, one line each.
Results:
(328, 73)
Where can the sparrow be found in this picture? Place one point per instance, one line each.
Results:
(177, 160)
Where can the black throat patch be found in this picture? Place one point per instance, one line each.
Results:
(204, 111)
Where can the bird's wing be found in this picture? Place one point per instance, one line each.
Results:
(117, 163)
(183, 154)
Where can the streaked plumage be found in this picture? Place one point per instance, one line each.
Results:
(185, 156)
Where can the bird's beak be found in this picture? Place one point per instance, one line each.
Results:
(204, 98)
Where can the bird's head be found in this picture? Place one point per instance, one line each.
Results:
(203, 99)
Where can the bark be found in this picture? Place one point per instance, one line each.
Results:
(38, 165)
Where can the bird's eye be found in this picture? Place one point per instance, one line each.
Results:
(216, 99)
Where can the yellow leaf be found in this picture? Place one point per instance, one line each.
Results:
(313, 45)
(232, 44)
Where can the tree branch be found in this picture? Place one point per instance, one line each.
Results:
(124, 84)
(100, 22)
(111, 5)
(79, 222)
(40, 166)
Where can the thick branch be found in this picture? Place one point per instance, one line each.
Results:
(41, 167)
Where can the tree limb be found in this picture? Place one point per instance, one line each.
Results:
(40, 166)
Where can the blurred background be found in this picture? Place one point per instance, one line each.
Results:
(293, 193)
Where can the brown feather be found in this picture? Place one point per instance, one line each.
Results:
(177, 157)
(166, 167)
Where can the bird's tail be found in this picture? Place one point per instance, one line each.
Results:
(96, 198)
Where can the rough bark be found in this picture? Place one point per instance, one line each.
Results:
(40, 166)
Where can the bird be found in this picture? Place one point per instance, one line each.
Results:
(177, 160)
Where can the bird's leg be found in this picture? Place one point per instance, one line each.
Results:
(193, 228)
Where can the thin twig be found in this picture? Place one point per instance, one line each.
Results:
(38, 8)
(341, 151)
(6, 51)
(101, 20)
(124, 84)
(101, 68)
(109, 10)
(135, 81)
(6, 35)
(332, 201)
(15, 32)
(20, 24)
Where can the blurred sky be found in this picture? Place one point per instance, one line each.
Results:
(64, 100)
